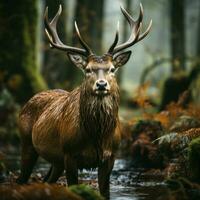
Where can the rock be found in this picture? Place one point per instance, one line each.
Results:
(153, 129)
(184, 123)
(181, 189)
(194, 159)
(145, 153)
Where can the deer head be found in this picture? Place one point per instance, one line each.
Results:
(99, 70)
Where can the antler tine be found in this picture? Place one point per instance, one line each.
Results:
(83, 43)
(135, 30)
(115, 40)
(51, 27)
(146, 32)
(51, 32)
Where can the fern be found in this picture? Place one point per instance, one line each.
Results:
(179, 139)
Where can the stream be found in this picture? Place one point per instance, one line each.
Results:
(127, 182)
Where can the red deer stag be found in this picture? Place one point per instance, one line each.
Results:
(78, 129)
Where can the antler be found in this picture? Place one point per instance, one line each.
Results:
(135, 32)
(55, 42)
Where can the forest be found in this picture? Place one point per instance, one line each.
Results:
(136, 136)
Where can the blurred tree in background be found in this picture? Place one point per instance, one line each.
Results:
(89, 17)
(177, 80)
(57, 69)
(177, 12)
(125, 32)
(19, 48)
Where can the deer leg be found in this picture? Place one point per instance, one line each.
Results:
(28, 159)
(71, 170)
(55, 173)
(104, 171)
(48, 174)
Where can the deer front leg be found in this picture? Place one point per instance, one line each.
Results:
(104, 171)
(71, 170)
(55, 173)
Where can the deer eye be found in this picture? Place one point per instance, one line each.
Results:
(112, 70)
(88, 70)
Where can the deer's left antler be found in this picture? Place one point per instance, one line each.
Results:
(135, 35)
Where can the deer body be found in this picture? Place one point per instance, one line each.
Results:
(60, 128)
(78, 129)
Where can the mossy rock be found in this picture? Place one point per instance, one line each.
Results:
(151, 128)
(185, 122)
(86, 192)
(194, 159)
(181, 189)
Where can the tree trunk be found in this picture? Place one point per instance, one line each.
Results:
(125, 37)
(176, 84)
(89, 17)
(19, 40)
(198, 38)
(57, 69)
(177, 34)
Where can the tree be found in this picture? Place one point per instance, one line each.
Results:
(89, 17)
(179, 81)
(57, 69)
(177, 17)
(198, 38)
(19, 48)
(125, 36)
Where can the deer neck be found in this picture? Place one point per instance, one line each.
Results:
(98, 115)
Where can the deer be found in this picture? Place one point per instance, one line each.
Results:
(79, 129)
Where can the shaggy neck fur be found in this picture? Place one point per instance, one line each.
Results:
(98, 116)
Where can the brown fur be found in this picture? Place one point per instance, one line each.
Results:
(72, 130)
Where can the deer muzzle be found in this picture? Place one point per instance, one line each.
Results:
(101, 86)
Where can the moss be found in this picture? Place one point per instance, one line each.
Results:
(86, 192)
(20, 47)
(194, 159)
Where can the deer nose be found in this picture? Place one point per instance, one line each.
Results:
(101, 84)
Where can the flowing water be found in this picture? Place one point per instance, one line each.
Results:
(127, 182)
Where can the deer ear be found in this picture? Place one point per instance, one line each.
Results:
(121, 59)
(78, 60)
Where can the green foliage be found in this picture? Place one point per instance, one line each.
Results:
(86, 192)
(19, 50)
(194, 159)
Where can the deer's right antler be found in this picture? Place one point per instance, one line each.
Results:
(55, 42)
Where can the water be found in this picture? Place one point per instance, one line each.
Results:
(126, 182)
